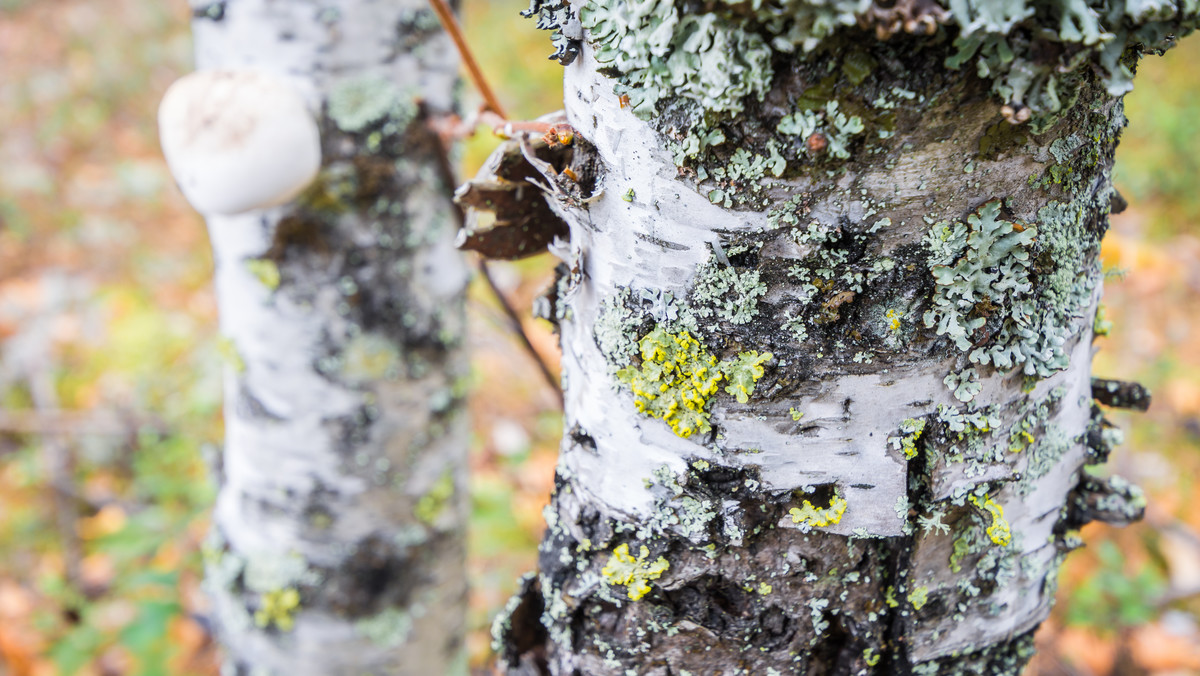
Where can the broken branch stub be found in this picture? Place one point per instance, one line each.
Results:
(509, 204)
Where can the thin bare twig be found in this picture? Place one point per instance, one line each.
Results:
(450, 24)
(60, 464)
(519, 329)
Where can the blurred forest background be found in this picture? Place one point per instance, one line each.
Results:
(110, 362)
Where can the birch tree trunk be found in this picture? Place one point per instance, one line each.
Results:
(338, 538)
(827, 325)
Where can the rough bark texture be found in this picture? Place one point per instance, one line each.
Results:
(898, 293)
(338, 542)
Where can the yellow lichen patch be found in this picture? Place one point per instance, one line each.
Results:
(229, 354)
(999, 532)
(265, 271)
(677, 378)
(889, 597)
(1021, 437)
(275, 607)
(919, 597)
(818, 517)
(893, 319)
(430, 506)
(910, 430)
(634, 574)
(370, 356)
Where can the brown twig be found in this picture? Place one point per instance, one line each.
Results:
(519, 329)
(450, 24)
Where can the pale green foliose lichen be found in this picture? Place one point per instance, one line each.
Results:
(836, 128)
(980, 266)
(727, 292)
(615, 327)
(984, 299)
(964, 384)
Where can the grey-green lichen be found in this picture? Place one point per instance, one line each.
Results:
(981, 267)
(1034, 52)
(558, 17)
(726, 292)
(615, 328)
(388, 628)
(359, 103)
(835, 129)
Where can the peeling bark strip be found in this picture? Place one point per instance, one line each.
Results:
(827, 323)
(338, 543)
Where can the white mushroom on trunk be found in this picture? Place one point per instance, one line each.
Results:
(238, 140)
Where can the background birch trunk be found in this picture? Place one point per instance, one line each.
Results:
(338, 542)
(827, 322)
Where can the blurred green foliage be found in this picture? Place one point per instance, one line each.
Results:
(1159, 157)
(1113, 597)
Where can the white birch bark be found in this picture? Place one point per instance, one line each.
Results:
(338, 540)
(674, 554)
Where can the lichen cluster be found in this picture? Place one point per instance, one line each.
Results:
(357, 104)
(677, 378)
(556, 16)
(1034, 52)
(998, 531)
(808, 515)
(910, 433)
(981, 267)
(276, 608)
(633, 573)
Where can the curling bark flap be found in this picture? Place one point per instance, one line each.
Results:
(238, 140)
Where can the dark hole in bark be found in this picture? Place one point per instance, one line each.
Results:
(375, 577)
(745, 259)
(524, 637)
(833, 653)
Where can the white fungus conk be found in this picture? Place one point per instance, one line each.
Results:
(238, 140)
